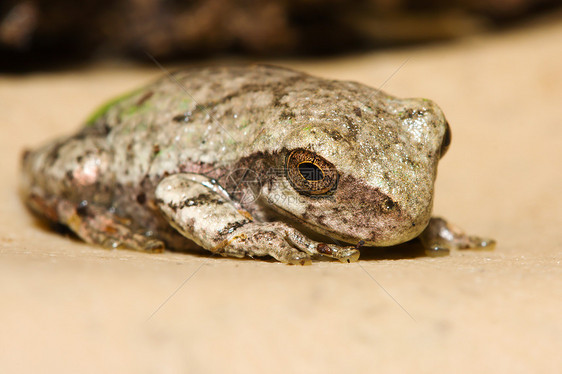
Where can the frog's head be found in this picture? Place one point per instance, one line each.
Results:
(361, 174)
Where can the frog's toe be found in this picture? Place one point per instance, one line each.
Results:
(145, 243)
(283, 251)
(476, 242)
(298, 258)
(349, 255)
(437, 251)
(344, 254)
(129, 241)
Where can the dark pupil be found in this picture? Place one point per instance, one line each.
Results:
(310, 172)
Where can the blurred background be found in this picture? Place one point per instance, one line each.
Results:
(42, 34)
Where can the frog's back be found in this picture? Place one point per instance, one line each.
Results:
(208, 115)
(191, 120)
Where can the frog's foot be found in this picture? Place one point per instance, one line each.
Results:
(201, 211)
(95, 224)
(262, 239)
(282, 242)
(440, 237)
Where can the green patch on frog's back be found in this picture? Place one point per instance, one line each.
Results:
(108, 105)
(135, 109)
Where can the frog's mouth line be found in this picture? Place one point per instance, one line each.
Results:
(320, 230)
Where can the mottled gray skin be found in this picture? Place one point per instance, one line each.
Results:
(201, 157)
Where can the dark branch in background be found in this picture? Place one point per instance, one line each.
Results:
(38, 34)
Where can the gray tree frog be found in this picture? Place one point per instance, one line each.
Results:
(249, 161)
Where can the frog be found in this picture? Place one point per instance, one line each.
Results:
(249, 161)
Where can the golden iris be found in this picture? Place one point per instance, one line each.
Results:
(310, 174)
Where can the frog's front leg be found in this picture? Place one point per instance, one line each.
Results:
(440, 236)
(203, 212)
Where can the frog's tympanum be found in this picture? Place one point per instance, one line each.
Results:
(249, 161)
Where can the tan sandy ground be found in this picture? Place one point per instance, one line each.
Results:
(68, 307)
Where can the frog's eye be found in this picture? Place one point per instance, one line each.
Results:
(310, 174)
(446, 141)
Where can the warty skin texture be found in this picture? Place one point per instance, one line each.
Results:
(231, 130)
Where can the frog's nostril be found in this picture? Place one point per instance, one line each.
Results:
(388, 205)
